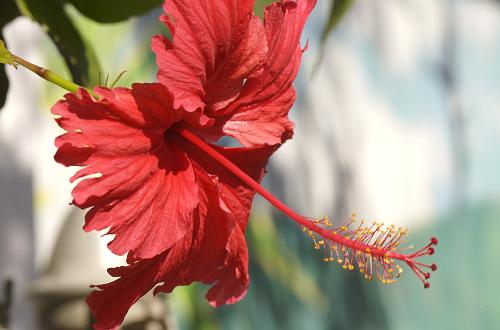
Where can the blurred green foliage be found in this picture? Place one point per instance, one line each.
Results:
(8, 11)
(112, 11)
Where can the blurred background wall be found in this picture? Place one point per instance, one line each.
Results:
(399, 122)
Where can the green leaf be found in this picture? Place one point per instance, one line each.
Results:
(79, 56)
(4, 87)
(8, 11)
(111, 11)
(5, 57)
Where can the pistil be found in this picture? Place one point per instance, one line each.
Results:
(372, 248)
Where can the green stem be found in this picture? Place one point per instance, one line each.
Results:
(47, 75)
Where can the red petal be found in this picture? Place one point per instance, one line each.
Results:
(211, 54)
(260, 115)
(146, 190)
(232, 280)
(263, 122)
(150, 218)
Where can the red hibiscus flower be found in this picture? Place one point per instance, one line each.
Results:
(178, 213)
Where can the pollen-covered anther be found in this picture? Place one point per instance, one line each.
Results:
(372, 247)
(325, 221)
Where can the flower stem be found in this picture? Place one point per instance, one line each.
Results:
(47, 74)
